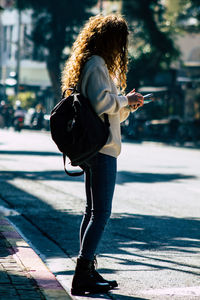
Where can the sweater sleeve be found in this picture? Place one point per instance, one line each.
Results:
(124, 113)
(96, 86)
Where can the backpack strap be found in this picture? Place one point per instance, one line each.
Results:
(74, 174)
(74, 89)
(106, 119)
(71, 89)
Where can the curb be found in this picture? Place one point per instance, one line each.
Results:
(26, 257)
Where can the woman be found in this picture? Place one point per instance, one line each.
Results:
(97, 67)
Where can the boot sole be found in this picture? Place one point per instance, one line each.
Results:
(113, 285)
(83, 291)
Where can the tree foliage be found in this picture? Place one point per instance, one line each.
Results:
(153, 25)
(188, 18)
(152, 39)
(55, 24)
(28, 99)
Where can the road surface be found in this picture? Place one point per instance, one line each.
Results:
(151, 245)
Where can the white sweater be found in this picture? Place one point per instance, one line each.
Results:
(97, 85)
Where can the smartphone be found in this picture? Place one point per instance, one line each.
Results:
(148, 98)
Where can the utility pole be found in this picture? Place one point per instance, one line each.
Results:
(18, 51)
(1, 41)
(101, 6)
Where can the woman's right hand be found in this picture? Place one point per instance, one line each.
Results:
(135, 100)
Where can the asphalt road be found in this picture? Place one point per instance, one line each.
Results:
(151, 245)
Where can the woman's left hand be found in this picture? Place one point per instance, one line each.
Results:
(135, 100)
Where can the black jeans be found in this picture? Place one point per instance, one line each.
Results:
(100, 177)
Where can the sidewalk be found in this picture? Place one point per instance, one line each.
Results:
(23, 275)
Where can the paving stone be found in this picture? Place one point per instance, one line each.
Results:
(16, 272)
(8, 291)
(10, 265)
(4, 278)
(9, 297)
(7, 257)
(16, 280)
(19, 280)
(29, 294)
(24, 287)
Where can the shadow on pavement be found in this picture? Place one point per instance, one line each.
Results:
(125, 234)
(35, 153)
(145, 232)
(122, 297)
(40, 175)
(112, 295)
(125, 176)
(122, 176)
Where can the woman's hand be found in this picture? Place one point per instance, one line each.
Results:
(135, 100)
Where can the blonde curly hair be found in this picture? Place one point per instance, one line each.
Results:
(106, 36)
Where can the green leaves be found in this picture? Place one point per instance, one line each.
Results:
(55, 25)
(152, 39)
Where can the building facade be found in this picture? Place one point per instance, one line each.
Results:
(21, 67)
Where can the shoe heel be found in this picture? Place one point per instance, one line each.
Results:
(77, 292)
(93, 290)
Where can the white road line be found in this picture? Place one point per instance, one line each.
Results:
(182, 291)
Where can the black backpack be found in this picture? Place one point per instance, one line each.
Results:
(77, 130)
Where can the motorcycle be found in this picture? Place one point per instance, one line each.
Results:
(18, 123)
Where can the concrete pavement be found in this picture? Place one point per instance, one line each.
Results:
(151, 245)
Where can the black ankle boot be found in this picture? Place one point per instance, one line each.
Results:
(84, 280)
(99, 278)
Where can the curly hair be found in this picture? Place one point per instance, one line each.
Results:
(106, 36)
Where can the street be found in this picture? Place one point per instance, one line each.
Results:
(151, 245)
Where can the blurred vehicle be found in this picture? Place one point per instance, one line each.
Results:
(189, 131)
(2, 121)
(157, 129)
(6, 114)
(47, 122)
(28, 119)
(173, 129)
(18, 117)
(36, 121)
(18, 123)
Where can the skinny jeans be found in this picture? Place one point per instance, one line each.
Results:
(100, 177)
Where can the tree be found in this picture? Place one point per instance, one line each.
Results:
(152, 39)
(188, 18)
(55, 24)
(183, 15)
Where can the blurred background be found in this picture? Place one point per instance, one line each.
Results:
(164, 59)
